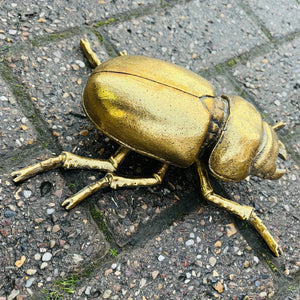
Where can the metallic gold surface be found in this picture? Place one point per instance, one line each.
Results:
(89, 53)
(155, 120)
(257, 223)
(167, 112)
(246, 146)
(114, 181)
(244, 212)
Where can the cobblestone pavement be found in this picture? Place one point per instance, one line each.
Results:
(163, 242)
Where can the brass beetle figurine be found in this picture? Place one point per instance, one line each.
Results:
(169, 113)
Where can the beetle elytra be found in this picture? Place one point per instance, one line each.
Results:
(169, 113)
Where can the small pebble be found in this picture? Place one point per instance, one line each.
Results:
(218, 244)
(31, 271)
(219, 287)
(212, 261)
(84, 132)
(61, 242)
(47, 256)
(107, 294)
(180, 240)
(52, 243)
(44, 265)
(277, 102)
(3, 232)
(77, 258)
(246, 264)
(14, 293)
(3, 98)
(75, 67)
(12, 31)
(9, 213)
(286, 272)
(108, 271)
(230, 229)
(55, 228)
(80, 63)
(189, 242)
(263, 295)
(27, 193)
(19, 263)
(88, 290)
(50, 211)
(154, 274)
(161, 258)
(37, 256)
(29, 282)
(142, 283)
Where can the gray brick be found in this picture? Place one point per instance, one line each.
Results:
(280, 17)
(195, 35)
(15, 128)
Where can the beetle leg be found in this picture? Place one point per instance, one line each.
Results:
(244, 212)
(89, 53)
(114, 181)
(68, 160)
(122, 53)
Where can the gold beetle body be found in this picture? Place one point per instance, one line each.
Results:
(169, 113)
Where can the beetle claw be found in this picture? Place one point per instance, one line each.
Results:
(282, 151)
(16, 176)
(67, 204)
(22, 174)
(278, 174)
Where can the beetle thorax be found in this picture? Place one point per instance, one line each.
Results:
(219, 110)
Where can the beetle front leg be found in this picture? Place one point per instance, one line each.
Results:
(244, 212)
(114, 181)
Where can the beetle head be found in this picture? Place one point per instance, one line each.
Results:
(264, 162)
(247, 145)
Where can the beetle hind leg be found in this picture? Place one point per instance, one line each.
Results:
(69, 160)
(89, 53)
(244, 212)
(114, 181)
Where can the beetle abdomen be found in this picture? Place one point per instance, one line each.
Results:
(152, 118)
(159, 71)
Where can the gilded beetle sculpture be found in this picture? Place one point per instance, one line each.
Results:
(171, 114)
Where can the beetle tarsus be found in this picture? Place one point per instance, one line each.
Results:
(42, 166)
(85, 192)
(257, 223)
